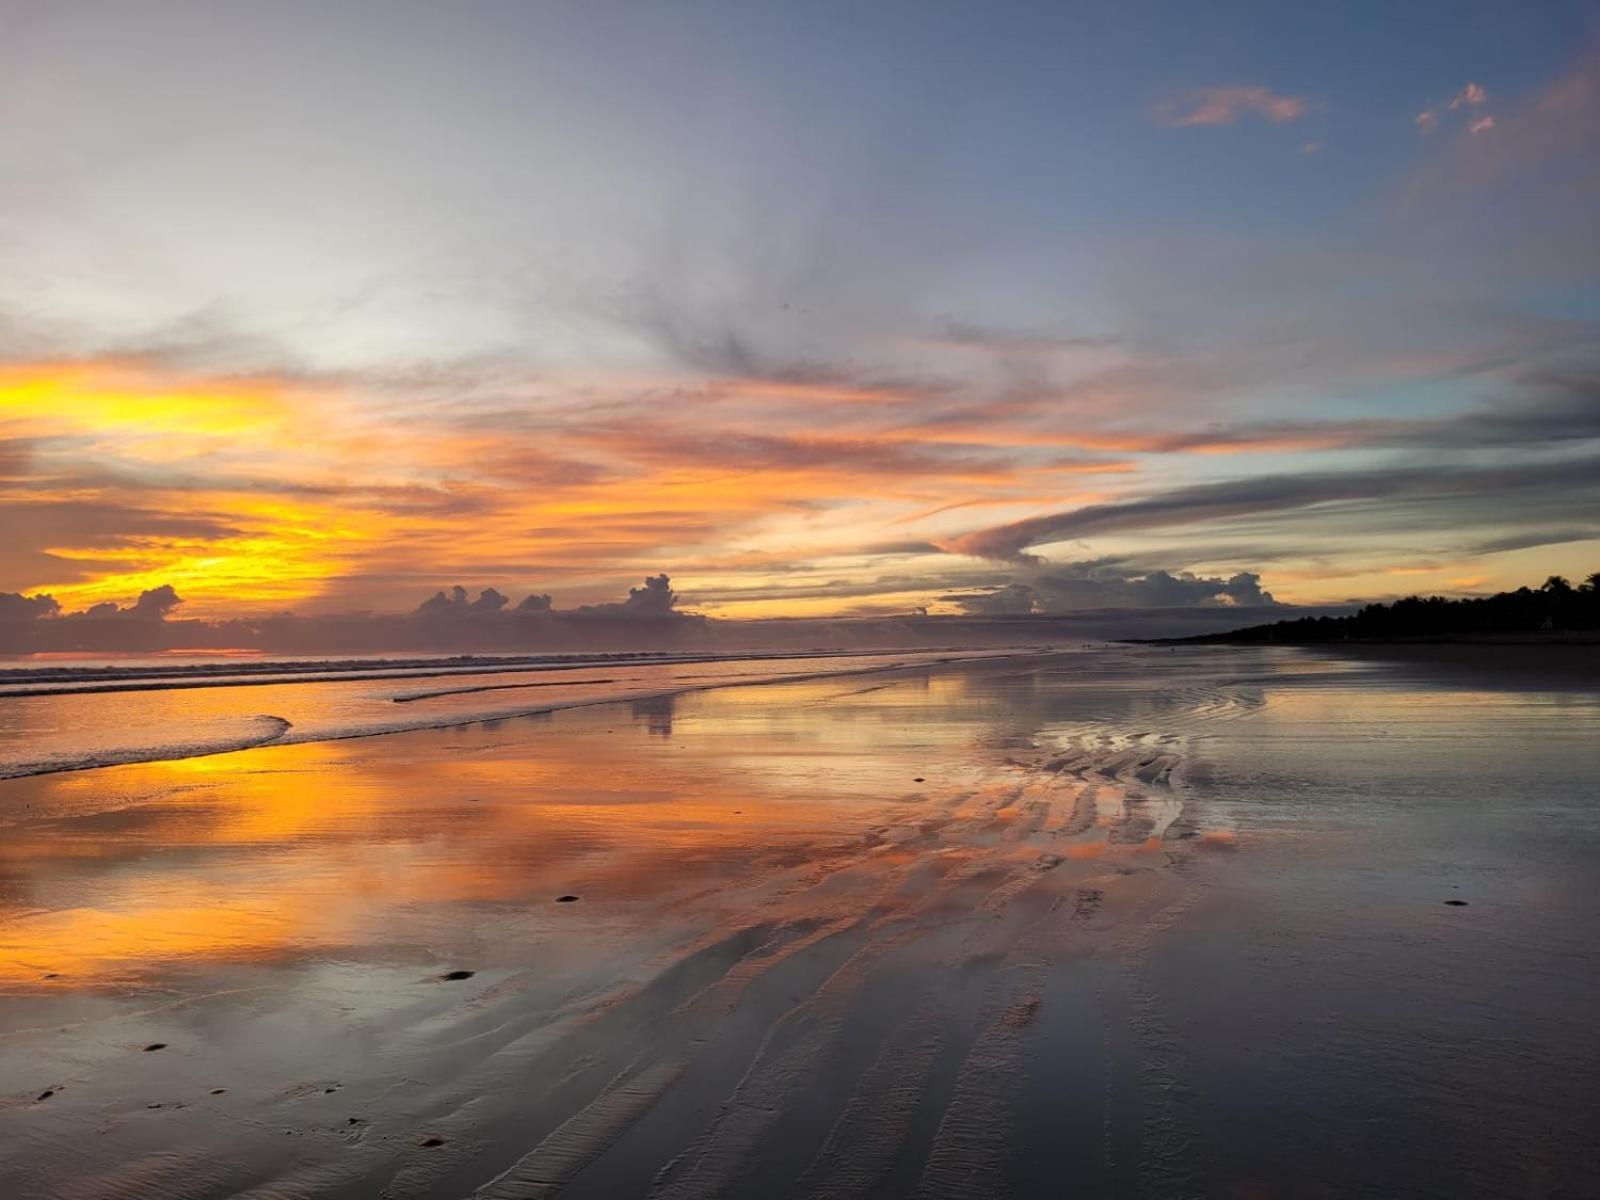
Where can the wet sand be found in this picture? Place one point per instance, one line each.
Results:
(1126, 923)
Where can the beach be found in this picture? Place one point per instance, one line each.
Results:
(1132, 921)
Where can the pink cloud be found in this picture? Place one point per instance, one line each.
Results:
(1474, 95)
(1538, 159)
(1226, 103)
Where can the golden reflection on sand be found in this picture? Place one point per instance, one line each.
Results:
(899, 935)
(341, 849)
(307, 849)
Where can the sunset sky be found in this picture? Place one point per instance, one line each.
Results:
(822, 308)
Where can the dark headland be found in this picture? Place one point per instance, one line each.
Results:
(1557, 613)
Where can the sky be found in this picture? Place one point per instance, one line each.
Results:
(823, 309)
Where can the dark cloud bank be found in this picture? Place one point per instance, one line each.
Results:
(1106, 602)
(1076, 587)
(1448, 496)
(452, 620)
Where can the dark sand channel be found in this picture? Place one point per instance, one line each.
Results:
(1125, 922)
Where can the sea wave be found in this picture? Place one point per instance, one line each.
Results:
(99, 678)
(79, 727)
(264, 729)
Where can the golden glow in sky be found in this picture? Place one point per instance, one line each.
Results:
(258, 495)
(254, 495)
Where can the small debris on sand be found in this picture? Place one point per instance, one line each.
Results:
(429, 1143)
(155, 1046)
(919, 779)
(1456, 903)
(218, 1091)
(452, 976)
(565, 899)
(47, 1093)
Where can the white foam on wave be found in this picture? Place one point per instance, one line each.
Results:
(266, 728)
(97, 677)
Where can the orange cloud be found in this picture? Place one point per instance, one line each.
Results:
(258, 495)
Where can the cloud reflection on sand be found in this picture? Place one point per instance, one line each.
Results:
(311, 849)
(925, 934)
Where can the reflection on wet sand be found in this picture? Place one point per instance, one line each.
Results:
(278, 852)
(861, 936)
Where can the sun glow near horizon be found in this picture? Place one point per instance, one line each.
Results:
(255, 495)
(251, 495)
(572, 329)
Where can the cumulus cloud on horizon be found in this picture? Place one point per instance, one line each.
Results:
(14, 606)
(1101, 584)
(654, 599)
(153, 604)
(440, 604)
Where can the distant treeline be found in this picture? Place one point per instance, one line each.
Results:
(1555, 607)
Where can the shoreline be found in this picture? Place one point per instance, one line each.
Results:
(112, 680)
(285, 734)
